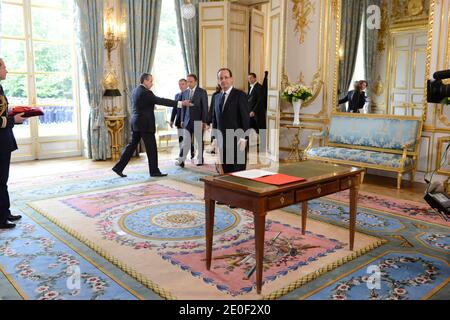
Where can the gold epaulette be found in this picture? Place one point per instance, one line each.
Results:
(3, 106)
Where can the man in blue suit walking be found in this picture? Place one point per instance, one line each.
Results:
(176, 114)
(194, 117)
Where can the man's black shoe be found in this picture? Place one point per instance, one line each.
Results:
(232, 207)
(120, 174)
(14, 218)
(159, 175)
(199, 164)
(7, 225)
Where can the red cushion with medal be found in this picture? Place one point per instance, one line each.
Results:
(27, 111)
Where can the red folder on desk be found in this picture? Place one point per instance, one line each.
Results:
(279, 179)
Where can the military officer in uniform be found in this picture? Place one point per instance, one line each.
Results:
(7, 146)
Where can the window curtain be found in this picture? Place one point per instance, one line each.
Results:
(140, 44)
(370, 49)
(352, 14)
(188, 33)
(91, 52)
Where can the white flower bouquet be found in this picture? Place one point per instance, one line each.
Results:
(296, 92)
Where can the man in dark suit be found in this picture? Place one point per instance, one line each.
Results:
(255, 107)
(230, 123)
(175, 118)
(194, 120)
(143, 125)
(356, 98)
(8, 145)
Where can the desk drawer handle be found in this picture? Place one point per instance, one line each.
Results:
(282, 200)
(319, 190)
(349, 183)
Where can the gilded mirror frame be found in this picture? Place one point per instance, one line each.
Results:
(337, 8)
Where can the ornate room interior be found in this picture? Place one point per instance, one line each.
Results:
(88, 234)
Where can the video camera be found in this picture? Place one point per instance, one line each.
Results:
(437, 90)
(435, 194)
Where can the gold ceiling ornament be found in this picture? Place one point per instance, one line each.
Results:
(396, 10)
(414, 7)
(384, 28)
(378, 86)
(302, 11)
(409, 10)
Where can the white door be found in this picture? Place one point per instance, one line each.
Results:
(257, 44)
(407, 87)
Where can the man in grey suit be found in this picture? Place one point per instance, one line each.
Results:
(143, 125)
(194, 120)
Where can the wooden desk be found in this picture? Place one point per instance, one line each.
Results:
(322, 179)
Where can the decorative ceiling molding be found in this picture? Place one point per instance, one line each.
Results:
(384, 28)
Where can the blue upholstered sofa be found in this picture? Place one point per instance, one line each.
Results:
(382, 142)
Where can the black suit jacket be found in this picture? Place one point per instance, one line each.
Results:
(235, 112)
(211, 108)
(197, 112)
(255, 99)
(143, 116)
(7, 141)
(354, 104)
(176, 112)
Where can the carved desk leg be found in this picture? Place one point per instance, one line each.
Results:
(353, 208)
(260, 223)
(210, 208)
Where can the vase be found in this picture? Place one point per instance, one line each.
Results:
(297, 105)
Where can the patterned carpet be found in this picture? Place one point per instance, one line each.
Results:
(123, 221)
(156, 229)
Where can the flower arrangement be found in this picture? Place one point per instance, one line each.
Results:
(296, 92)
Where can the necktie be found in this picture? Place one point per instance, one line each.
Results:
(222, 102)
(191, 94)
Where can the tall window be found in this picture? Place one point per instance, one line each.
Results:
(168, 67)
(37, 45)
